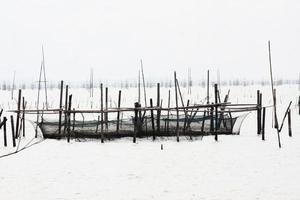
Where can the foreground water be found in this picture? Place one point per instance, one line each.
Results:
(235, 167)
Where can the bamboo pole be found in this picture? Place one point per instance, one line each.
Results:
(216, 112)
(18, 114)
(118, 113)
(106, 108)
(66, 108)
(152, 119)
(101, 103)
(23, 115)
(69, 118)
(207, 95)
(290, 123)
(144, 86)
(202, 126)
(258, 113)
(274, 95)
(45, 80)
(4, 131)
(13, 131)
(139, 88)
(158, 110)
(177, 111)
(60, 106)
(263, 123)
(168, 112)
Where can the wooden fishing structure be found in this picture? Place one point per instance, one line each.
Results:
(212, 118)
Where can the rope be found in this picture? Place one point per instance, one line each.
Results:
(26, 146)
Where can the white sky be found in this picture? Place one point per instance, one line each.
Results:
(111, 36)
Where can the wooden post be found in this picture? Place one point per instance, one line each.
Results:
(97, 126)
(4, 131)
(136, 121)
(289, 123)
(13, 130)
(216, 112)
(202, 126)
(23, 116)
(177, 111)
(66, 108)
(231, 122)
(258, 113)
(299, 104)
(101, 103)
(69, 117)
(152, 119)
(158, 110)
(211, 118)
(106, 107)
(74, 120)
(60, 106)
(118, 113)
(168, 113)
(263, 123)
(18, 114)
(1, 111)
(139, 87)
(207, 95)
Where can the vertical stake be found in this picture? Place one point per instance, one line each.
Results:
(177, 111)
(13, 131)
(158, 108)
(101, 91)
(118, 113)
(4, 131)
(216, 112)
(60, 106)
(18, 114)
(263, 123)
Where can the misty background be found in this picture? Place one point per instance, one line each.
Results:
(112, 36)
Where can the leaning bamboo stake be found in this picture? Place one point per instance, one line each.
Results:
(45, 80)
(274, 95)
(290, 123)
(177, 111)
(285, 115)
(144, 85)
(38, 100)
(4, 131)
